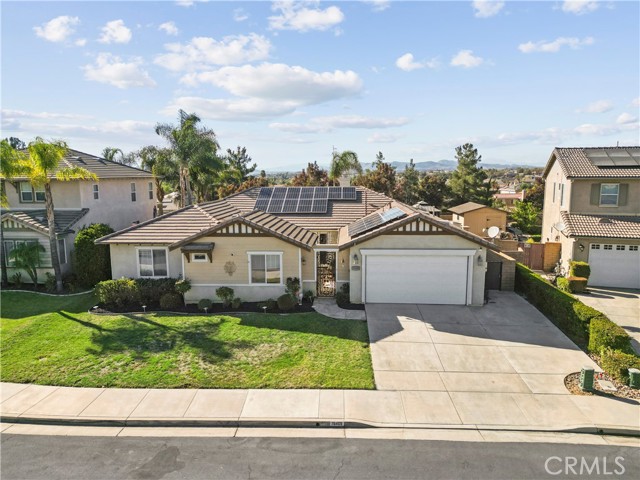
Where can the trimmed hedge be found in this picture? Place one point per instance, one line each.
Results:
(617, 363)
(171, 301)
(119, 293)
(153, 289)
(577, 284)
(579, 269)
(603, 333)
(286, 302)
(91, 262)
(565, 311)
(563, 284)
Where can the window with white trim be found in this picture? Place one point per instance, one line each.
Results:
(608, 247)
(620, 247)
(96, 192)
(554, 192)
(562, 194)
(633, 248)
(595, 246)
(609, 194)
(152, 262)
(133, 192)
(265, 268)
(26, 192)
(9, 245)
(62, 251)
(199, 257)
(150, 190)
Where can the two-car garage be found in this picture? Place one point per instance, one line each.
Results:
(426, 276)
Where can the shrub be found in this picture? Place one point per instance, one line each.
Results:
(118, 293)
(171, 301)
(579, 269)
(563, 284)
(342, 297)
(16, 279)
(182, 285)
(49, 282)
(536, 238)
(308, 295)
(226, 295)
(603, 333)
(286, 302)
(91, 262)
(271, 304)
(617, 363)
(204, 303)
(577, 284)
(236, 303)
(293, 286)
(152, 289)
(26, 256)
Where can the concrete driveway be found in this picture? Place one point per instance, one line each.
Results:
(500, 363)
(621, 305)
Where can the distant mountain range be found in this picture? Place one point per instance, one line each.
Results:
(443, 165)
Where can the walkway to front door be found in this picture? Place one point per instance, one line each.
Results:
(326, 273)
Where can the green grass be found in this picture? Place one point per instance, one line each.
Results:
(54, 341)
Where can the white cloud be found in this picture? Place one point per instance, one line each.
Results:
(626, 118)
(600, 106)
(15, 114)
(553, 47)
(579, 7)
(487, 8)
(115, 31)
(304, 16)
(384, 138)
(330, 123)
(635, 102)
(280, 82)
(240, 15)
(466, 59)
(184, 3)
(169, 28)
(110, 69)
(407, 63)
(203, 52)
(244, 109)
(57, 29)
(379, 5)
(81, 42)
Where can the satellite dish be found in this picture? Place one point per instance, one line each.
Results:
(559, 226)
(493, 232)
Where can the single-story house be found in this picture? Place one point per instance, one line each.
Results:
(477, 218)
(254, 240)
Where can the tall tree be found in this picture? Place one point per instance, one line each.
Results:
(342, 163)
(381, 179)
(194, 148)
(434, 189)
(40, 167)
(408, 185)
(526, 215)
(236, 171)
(313, 176)
(535, 194)
(114, 154)
(160, 163)
(467, 179)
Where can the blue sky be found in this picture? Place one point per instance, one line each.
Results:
(291, 81)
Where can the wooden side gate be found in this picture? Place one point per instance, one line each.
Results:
(533, 255)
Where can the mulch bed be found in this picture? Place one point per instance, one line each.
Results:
(351, 306)
(246, 307)
(572, 382)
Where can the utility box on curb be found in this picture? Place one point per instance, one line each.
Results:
(634, 378)
(586, 379)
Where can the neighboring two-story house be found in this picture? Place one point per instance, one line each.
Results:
(122, 196)
(592, 206)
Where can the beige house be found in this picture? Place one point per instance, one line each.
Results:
(592, 206)
(253, 241)
(121, 196)
(477, 218)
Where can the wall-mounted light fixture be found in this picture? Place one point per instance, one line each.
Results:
(304, 261)
(479, 260)
(581, 247)
(356, 260)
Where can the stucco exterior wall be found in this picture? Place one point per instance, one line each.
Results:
(552, 203)
(483, 218)
(581, 198)
(65, 195)
(420, 241)
(124, 261)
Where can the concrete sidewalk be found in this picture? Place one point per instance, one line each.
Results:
(309, 408)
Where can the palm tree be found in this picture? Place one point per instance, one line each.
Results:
(160, 163)
(194, 148)
(39, 167)
(9, 167)
(344, 162)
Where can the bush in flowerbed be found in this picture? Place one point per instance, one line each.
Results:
(236, 303)
(225, 294)
(617, 363)
(577, 284)
(603, 333)
(204, 304)
(119, 293)
(579, 269)
(152, 289)
(171, 301)
(342, 297)
(563, 284)
(286, 302)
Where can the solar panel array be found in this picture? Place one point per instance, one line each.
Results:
(301, 199)
(374, 220)
(618, 157)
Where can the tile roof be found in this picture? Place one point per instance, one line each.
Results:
(469, 207)
(190, 223)
(37, 219)
(575, 163)
(578, 225)
(101, 167)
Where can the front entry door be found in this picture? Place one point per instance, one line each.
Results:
(326, 274)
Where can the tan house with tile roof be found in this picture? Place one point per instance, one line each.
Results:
(477, 218)
(122, 195)
(592, 206)
(252, 241)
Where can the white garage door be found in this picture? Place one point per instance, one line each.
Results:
(417, 276)
(614, 265)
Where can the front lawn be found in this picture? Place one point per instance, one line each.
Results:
(54, 341)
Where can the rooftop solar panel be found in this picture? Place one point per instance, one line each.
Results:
(301, 199)
(349, 193)
(374, 220)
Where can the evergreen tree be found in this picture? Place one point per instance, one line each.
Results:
(435, 190)
(313, 176)
(466, 182)
(408, 185)
(382, 179)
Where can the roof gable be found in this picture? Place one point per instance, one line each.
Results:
(470, 207)
(576, 162)
(37, 219)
